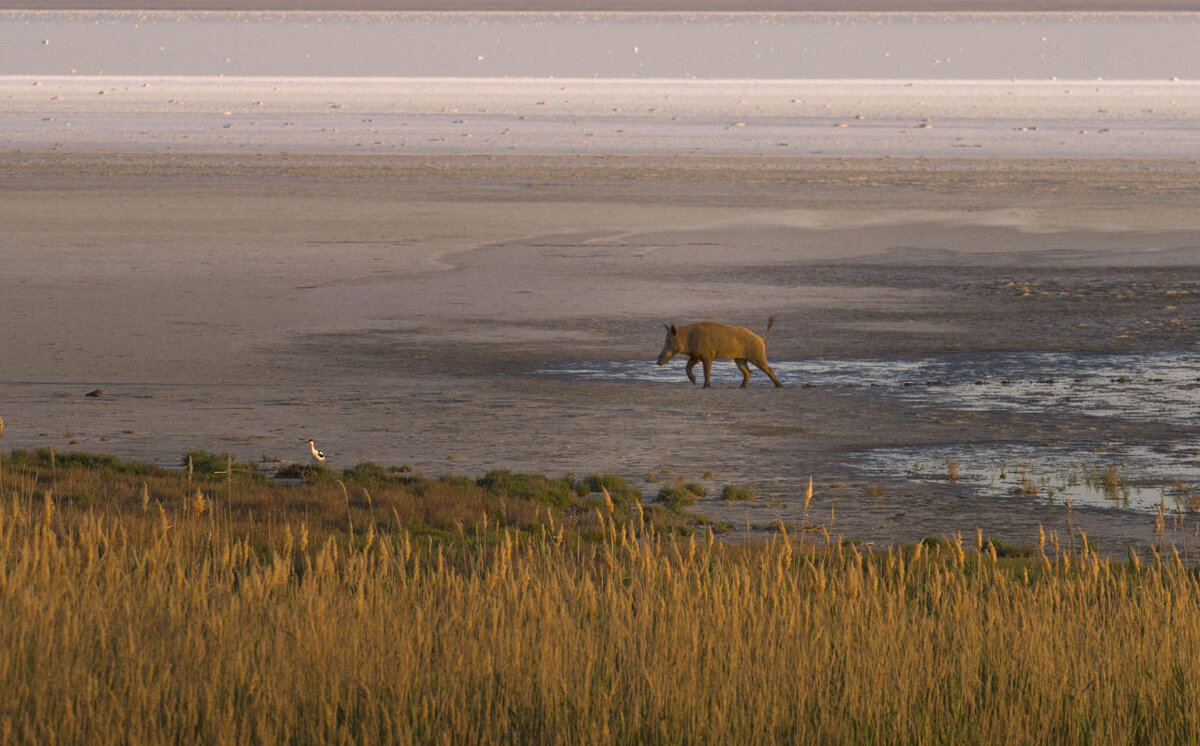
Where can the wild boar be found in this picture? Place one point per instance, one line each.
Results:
(708, 341)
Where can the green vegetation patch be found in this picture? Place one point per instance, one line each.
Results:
(677, 496)
(372, 474)
(313, 473)
(207, 465)
(49, 458)
(556, 493)
(734, 492)
(344, 506)
(621, 492)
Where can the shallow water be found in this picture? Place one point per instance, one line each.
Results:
(1161, 387)
(1134, 46)
(1158, 387)
(1121, 476)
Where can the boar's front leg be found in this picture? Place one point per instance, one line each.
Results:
(745, 369)
(691, 364)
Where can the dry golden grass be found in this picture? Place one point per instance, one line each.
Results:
(952, 469)
(141, 618)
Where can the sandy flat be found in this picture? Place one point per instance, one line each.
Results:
(401, 116)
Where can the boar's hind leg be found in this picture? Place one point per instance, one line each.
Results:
(707, 371)
(691, 364)
(765, 368)
(745, 369)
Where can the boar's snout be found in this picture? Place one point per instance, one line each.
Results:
(671, 347)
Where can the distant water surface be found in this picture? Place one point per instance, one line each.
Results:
(1134, 46)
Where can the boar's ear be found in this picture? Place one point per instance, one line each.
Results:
(668, 327)
(673, 332)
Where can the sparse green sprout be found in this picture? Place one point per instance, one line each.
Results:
(873, 490)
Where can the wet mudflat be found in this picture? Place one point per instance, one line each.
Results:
(1120, 476)
(461, 315)
(1154, 387)
(1161, 387)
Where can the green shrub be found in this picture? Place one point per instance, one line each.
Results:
(556, 493)
(206, 464)
(313, 473)
(733, 492)
(676, 496)
(621, 492)
(370, 473)
(45, 457)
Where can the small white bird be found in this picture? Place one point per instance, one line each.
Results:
(316, 454)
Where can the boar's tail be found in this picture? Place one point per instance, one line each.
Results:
(770, 324)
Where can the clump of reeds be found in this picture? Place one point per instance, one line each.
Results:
(1186, 496)
(952, 469)
(1110, 477)
(1027, 487)
(1109, 481)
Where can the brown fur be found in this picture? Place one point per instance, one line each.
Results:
(708, 341)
